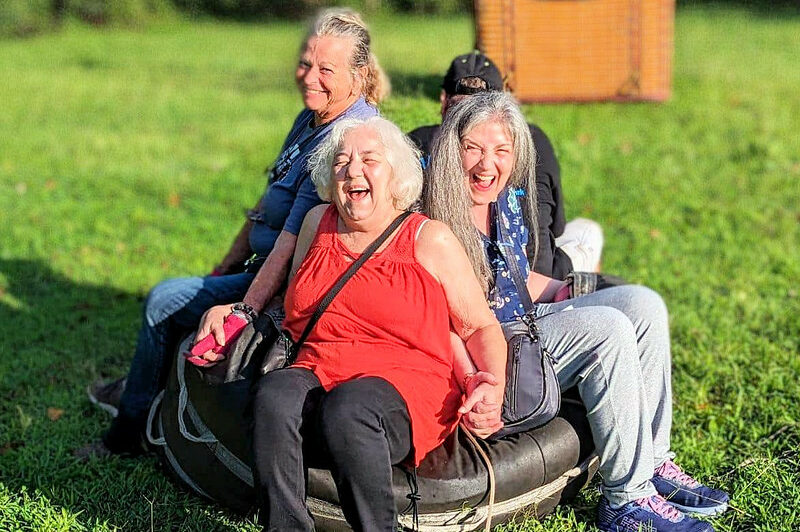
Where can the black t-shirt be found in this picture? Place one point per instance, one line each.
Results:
(550, 260)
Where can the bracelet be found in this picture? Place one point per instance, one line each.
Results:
(467, 378)
(246, 310)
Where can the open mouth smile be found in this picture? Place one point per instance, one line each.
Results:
(483, 182)
(357, 193)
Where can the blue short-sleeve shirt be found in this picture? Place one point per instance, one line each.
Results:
(290, 192)
(503, 297)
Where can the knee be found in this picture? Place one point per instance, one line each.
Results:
(591, 231)
(269, 407)
(162, 298)
(347, 413)
(648, 304)
(620, 335)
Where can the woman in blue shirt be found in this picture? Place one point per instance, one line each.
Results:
(612, 344)
(337, 76)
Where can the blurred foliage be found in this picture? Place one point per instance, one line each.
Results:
(255, 9)
(25, 17)
(101, 12)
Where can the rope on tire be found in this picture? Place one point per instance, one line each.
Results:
(490, 471)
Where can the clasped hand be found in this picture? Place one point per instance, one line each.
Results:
(218, 328)
(483, 405)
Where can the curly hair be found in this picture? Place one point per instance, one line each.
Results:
(402, 156)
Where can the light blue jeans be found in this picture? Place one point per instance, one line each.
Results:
(614, 345)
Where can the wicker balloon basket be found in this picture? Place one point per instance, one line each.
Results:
(580, 50)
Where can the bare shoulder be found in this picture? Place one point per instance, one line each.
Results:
(314, 216)
(437, 248)
(435, 236)
(311, 222)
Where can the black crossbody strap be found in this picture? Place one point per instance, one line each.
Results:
(511, 261)
(348, 274)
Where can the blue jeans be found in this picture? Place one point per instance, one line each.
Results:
(173, 307)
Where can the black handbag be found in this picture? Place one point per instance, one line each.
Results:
(265, 346)
(532, 394)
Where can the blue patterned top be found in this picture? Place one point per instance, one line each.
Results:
(503, 297)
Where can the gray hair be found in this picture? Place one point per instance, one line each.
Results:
(346, 23)
(402, 156)
(446, 197)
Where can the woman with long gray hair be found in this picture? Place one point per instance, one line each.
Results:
(612, 344)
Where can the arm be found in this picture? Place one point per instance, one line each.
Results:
(544, 289)
(265, 285)
(307, 233)
(549, 202)
(439, 252)
(273, 273)
(463, 366)
(240, 249)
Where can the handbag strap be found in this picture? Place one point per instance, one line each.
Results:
(347, 275)
(511, 262)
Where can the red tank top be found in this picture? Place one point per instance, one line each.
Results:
(390, 320)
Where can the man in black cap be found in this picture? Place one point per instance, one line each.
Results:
(563, 247)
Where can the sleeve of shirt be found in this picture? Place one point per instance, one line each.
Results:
(562, 265)
(548, 171)
(547, 240)
(422, 137)
(305, 200)
(550, 203)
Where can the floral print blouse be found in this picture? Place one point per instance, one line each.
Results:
(504, 298)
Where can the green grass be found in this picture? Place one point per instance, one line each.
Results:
(129, 156)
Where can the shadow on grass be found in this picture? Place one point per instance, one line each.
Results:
(57, 336)
(412, 84)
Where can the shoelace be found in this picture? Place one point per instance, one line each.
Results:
(660, 507)
(671, 471)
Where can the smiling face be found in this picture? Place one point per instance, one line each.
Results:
(487, 156)
(361, 180)
(324, 78)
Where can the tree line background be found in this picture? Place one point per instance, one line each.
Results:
(27, 17)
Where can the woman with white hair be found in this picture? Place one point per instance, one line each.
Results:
(367, 389)
(612, 344)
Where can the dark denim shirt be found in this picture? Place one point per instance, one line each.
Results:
(504, 298)
(290, 192)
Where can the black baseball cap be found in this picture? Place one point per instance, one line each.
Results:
(472, 65)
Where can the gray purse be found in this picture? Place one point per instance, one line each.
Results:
(532, 394)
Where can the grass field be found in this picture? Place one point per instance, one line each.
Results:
(129, 156)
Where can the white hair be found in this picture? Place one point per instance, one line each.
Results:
(402, 156)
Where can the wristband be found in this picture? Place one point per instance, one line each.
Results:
(245, 311)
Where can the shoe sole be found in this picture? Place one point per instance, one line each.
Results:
(705, 512)
(111, 409)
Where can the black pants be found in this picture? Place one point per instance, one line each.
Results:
(358, 430)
